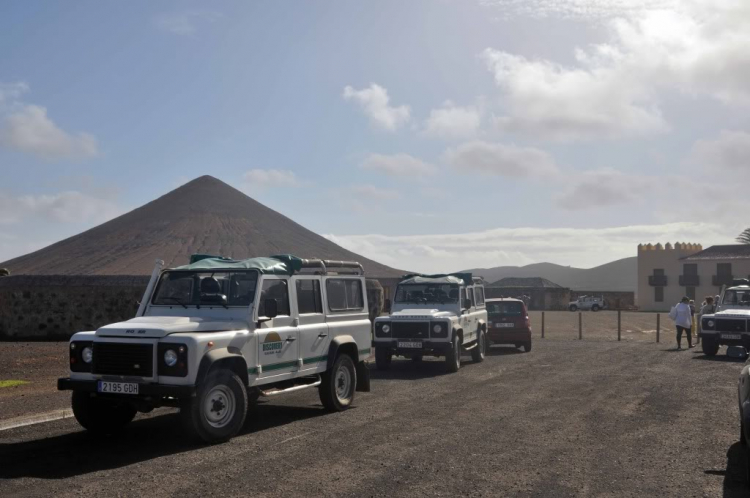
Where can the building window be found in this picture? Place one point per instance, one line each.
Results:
(724, 269)
(690, 291)
(659, 294)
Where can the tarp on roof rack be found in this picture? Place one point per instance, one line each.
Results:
(442, 278)
(275, 265)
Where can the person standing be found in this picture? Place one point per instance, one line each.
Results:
(683, 320)
(708, 308)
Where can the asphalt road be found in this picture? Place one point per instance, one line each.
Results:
(571, 418)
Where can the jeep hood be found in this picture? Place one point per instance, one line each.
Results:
(733, 313)
(422, 313)
(161, 326)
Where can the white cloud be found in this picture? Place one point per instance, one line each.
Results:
(30, 130)
(501, 159)
(63, 207)
(451, 121)
(374, 101)
(10, 92)
(579, 247)
(608, 187)
(730, 152)
(270, 178)
(374, 193)
(185, 23)
(397, 165)
(577, 9)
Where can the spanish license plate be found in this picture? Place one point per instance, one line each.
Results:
(117, 387)
(731, 336)
(410, 344)
(504, 325)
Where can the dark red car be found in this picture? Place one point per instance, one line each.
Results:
(508, 323)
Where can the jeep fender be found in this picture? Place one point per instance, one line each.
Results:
(347, 344)
(213, 357)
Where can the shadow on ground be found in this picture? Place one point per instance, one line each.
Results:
(79, 453)
(735, 485)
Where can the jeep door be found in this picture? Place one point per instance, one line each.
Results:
(314, 338)
(278, 344)
(468, 320)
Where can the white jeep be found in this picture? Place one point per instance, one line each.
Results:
(212, 336)
(434, 315)
(730, 324)
(586, 303)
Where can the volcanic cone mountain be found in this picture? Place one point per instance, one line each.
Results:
(204, 216)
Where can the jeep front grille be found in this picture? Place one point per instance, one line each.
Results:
(410, 330)
(731, 325)
(112, 358)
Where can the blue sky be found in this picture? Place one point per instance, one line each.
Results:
(432, 135)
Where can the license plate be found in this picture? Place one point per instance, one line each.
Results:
(117, 387)
(410, 344)
(504, 325)
(731, 336)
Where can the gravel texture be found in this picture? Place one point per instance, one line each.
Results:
(571, 418)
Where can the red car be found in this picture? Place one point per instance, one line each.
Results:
(508, 323)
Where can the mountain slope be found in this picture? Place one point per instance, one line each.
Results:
(620, 275)
(203, 216)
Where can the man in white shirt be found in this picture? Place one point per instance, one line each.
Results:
(683, 319)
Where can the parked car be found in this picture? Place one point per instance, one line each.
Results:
(730, 325)
(433, 315)
(508, 323)
(743, 393)
(214, 335)
(585, 303)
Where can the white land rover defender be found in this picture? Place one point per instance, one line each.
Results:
(730, 325)
(212, 336)
(434, 315)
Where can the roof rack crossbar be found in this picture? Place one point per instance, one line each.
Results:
(324, 265)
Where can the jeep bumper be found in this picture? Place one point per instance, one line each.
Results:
(726, 338)
(439, 347)
(144, 390)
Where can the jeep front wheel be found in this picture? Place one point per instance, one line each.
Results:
(573, 307)
(382, 358)
(101, 416)
(710, 346)
(218, 411)
(338, 384)
(477, 354)
(453, 356)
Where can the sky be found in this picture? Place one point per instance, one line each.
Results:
(433, 135)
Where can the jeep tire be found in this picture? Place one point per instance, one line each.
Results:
(101, 416)
(595, 307)
(710, 346)
(383, 358)
(573, 307)
(453, 356)
(218, 411)
(338, 384)
(527, 347)
(477, 354)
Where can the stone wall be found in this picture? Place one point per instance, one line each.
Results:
(614, 300)
(55, 307)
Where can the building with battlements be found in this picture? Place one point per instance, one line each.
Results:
(668, 273)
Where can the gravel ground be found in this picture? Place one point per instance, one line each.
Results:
(571, 418)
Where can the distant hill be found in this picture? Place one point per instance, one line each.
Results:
(203, 216)
(620, 275)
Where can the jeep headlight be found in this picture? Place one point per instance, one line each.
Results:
(170, 357)
(711, 323)
(437, 328)
(385, 328)
(87, 354)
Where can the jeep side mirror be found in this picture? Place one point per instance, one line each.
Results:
(387, 306)
(467, 303)
(271, 308)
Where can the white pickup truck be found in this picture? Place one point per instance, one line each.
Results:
(434, 315)
(212, 336)
(586, 303)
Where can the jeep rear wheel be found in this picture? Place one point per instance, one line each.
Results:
(595, 307)
(710, 346)
(219, 410)
(99, 415)
(477, 354)
(383, 358)
(453, 356)
(573, 307)
(338, 384)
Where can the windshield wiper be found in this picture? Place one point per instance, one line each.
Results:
(177, 300)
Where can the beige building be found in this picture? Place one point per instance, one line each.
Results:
(668, 273)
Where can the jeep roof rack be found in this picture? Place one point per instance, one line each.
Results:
(740, 281)
(330, 266)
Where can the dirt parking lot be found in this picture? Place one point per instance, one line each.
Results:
(602, 325)
(571, 418)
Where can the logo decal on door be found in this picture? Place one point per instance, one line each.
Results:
(272, 344)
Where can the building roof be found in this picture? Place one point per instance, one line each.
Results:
(530, 282)
(733, 251)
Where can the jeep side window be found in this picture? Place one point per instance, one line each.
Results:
(470, 293)
(277, 290)
(479, 291)
(308, 297)
(345, 295)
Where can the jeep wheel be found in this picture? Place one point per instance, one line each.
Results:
(527, 347)
(99, 415)
(573, 307)
(595, 307)
(453, 356)
(382, 358)
(338, 384)
(218, 411)
(477, 354)
(710, 346)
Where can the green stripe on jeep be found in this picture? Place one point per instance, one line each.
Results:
(252, 371)
(315, 359)
(278, 366)
(364, 351)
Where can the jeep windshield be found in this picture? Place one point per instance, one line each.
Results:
(208, 288)
(738, 297)
(427, 293)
